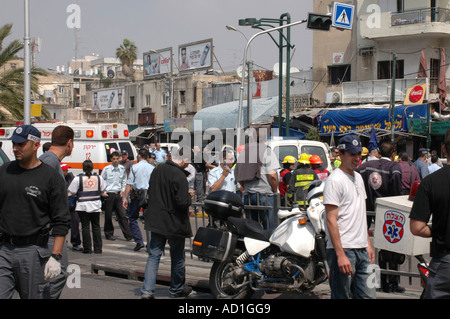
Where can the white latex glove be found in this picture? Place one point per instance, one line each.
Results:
(52, 269)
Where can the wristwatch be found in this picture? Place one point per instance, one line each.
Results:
(58, 257)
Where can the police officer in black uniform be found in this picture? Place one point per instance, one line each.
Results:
(33, 201)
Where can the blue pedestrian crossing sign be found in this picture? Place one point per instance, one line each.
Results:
(343, 16)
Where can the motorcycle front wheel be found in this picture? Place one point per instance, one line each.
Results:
(225, 284)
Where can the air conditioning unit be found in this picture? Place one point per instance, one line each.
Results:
(333, 97)
(367, 51)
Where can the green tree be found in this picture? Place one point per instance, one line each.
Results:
(313, 135)
(127, 54)
(12, 80)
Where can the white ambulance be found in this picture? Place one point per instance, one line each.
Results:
(296, 147)
(93, 141)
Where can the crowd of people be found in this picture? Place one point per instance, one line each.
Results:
(41, 200)
(163, 186)
(360, 176)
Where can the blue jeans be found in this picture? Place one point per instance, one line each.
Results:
(359, 285)
(133, 216)
(177, 258)
(263, 215)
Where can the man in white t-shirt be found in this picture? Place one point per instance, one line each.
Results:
(349, 252)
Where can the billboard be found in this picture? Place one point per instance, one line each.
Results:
(171, 124)
(108, 100)
(157, 62)
(195, 56)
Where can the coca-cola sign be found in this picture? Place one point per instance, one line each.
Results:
(416, 94)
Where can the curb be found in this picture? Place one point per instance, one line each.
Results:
(196, 276)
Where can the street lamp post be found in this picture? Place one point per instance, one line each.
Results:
(241, 92)
(249, 79)
(258, 24)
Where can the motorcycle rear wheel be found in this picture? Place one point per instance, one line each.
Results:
(220, 280)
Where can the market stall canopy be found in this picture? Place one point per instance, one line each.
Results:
(223, 116)
(353, 119)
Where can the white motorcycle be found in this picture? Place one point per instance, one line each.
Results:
(247, 258)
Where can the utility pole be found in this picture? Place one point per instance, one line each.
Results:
(27, 68)
(249, 92)
(394, 75)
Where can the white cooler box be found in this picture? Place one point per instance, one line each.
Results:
(392, 231)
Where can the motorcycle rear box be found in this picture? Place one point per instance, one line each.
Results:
(392, 230)
(222, 204)
(213, 244)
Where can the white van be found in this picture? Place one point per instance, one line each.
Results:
(170, 147)
(93, 141)
(296, 147)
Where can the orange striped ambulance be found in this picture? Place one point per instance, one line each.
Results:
(93, 141)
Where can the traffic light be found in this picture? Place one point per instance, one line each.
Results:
(167, 83)
(249, 22)
(319, 21)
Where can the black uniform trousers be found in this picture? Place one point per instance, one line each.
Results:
(113, 203)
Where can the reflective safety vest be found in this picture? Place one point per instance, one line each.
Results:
(300, 179)
(337, 162)
(89, 188)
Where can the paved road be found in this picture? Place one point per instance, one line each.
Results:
(95, 286)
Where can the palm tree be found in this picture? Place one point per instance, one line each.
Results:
(127, 53)
(12, 80)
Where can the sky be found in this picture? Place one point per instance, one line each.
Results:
(158, 24)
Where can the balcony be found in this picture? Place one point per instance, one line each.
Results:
(379, 91)
(420, 16)
(428, 22)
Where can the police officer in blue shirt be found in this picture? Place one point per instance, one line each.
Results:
(115, 177)
(137, 186)
(160, 154)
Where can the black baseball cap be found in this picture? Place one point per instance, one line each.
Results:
(350, 143)
(25, 133)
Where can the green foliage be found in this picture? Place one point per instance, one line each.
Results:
(313, 135)
(127, 54)
(12, 80)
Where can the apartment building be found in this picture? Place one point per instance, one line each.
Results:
(354, 60)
